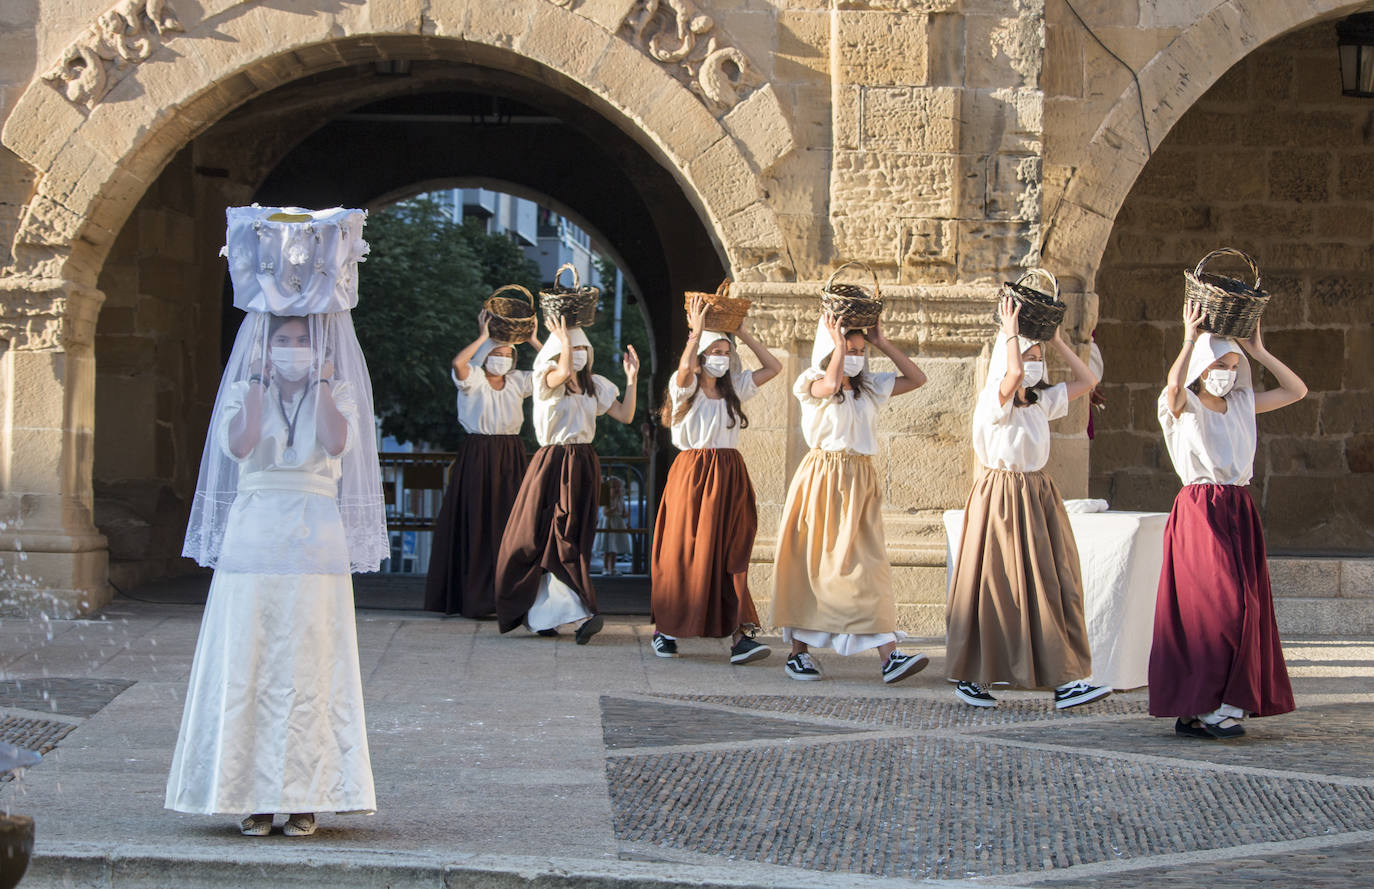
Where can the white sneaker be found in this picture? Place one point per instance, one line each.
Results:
(301, 825)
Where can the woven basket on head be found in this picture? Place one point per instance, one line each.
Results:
(1232, 308)
(724, 312)
(512, 320)
(1041, 312)
(576, 304)
(850, 303)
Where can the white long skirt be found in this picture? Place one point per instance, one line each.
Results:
(274, 710)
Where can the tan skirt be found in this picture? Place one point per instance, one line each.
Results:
(832, 572)
(1015, 613)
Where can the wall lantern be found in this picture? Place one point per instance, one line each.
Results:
(1355, 36)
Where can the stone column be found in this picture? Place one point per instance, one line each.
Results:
(52, 559)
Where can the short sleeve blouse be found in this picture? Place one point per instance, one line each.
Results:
(848, 424)
(707, 423)
(483, 410)
(1207, 446)
(1014, 438)
(562, 417)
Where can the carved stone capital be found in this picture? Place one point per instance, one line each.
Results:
(48, 313)
(124, 35)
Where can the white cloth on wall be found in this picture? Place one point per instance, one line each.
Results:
(483, 410)
(707, 423)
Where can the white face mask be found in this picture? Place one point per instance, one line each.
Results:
(853, 365)
(579, 359)
(1219, 382)
(716, 365)
(1034, 373)
(292, 364)
(499, 364)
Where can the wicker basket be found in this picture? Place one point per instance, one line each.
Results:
(724, 313)
(1232, 308)
(512, 320)
(1041, 312)
(850, 303)
(576, 304)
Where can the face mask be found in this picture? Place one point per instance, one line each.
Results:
(1219, 382)
(716, 365)
(853, 365)
(1034, 373)
(292, 364)
(579, 359)
(499, 364)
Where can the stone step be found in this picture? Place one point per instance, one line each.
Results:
(1323, 595)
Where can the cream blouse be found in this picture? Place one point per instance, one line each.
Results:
(707, 424)
(1208, 447)
(483, 410)
(560, 417)
(1013, 438)
(849, 424)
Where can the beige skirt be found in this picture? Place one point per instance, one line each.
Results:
(832, 572)
(1015, 612)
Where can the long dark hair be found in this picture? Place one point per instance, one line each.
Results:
(1032, 394)
(668, 417)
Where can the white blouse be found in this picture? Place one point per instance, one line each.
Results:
(707, 424)
(1016, 439)
(1209, 447)
(561, 417)
(849, 425)
(483, 410)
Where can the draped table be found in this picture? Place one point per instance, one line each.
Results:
(1120, 554)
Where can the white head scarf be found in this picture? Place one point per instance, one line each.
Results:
(1208, 349)
(997, 366)
(305, 269)
(822, 346)
(479, 359)
(710, 337)
(553, 347)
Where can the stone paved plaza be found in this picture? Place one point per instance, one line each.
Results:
(521, 761)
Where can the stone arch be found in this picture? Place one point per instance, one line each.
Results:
(1078, 230)
(95, 162)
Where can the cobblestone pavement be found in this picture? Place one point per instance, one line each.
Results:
(544, 757)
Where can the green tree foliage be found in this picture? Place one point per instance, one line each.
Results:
(419, 294)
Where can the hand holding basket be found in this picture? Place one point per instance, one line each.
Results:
(576, 304)
(724, 313)
(512, 320)
(1231, 308)
(1041, 312)
(850, 303)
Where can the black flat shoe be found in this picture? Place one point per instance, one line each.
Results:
(548, 632)
(590, 627)
(1190, 729)
(1216, 731)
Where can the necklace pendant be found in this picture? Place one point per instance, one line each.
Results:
(288, 456)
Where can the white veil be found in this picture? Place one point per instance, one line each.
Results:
(290, 265)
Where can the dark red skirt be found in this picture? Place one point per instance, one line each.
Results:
(703, 536)
(1215, 640)
(482, 488)
(551, 529)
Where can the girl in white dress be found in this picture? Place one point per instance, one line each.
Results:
(707, 518)
(288, 504)
(1015, 611)
(543, 570)
(485, 477)
(832, 586)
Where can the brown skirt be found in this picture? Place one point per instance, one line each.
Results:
(702, 540)
(550, 530)
(482, 487)
(1015, 613)
(832, 572)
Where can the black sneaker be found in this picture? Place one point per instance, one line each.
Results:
(590, 627)
(899, 666)
(663, 646)
(974, 694)
(1076, 693)
(549, 632)
(800, 666)
(746, 651)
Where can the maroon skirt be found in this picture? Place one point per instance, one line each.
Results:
(1215, 640)
(702, 540)
(482, 488)
(550, 530)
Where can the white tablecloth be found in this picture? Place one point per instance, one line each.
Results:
(1120, 554)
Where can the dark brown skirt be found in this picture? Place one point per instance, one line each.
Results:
(1015, 612)
(482, 488)
(1215, 639)
(702, 540)
(551, 530)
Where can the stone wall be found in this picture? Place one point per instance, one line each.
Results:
(1274, 161)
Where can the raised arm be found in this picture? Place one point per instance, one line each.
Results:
(561, 372)
(246, 427)
(1291, 387)
(331, 426)
(1083, 379)
(1010, 313)
(624, 409)
(833, 381)
(769, 366)
(912, 377)
(1193, 317)
(688, 364)
(462, 362)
